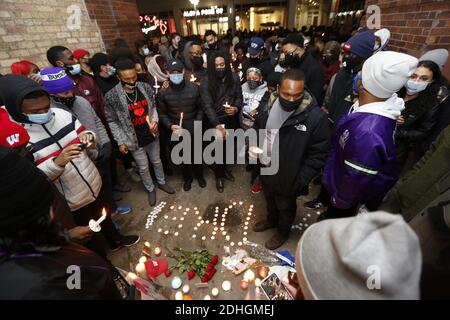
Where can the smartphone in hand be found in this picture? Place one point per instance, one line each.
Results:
(274, 289)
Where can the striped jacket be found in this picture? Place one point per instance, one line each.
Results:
(79, 181)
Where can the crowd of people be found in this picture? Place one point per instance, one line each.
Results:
(349, 115)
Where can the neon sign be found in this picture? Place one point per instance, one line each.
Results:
(151, 23)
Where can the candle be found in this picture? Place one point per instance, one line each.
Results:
(215, 292)
(157, 251)
(147, 250)
(244, 284)
(249, 275)
(156, 86)
(179, 295)
(181, 120)
(207, 297)
(193, 78)
(140, 270)
(194, 236)
(176, 283)
(142, 259)
(186, 288)
(258, 282)
(226, 105)
(176, 234)
(226, 285)
(95, 225)
(262, 272)
(240, 66)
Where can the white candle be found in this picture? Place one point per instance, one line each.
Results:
(215, 292)
(179, 295)
(181, 120)
(207, 297)
(142, 259)
(249, 275)
(186, 288)
(226, 285)
(103, 217)
(193, 78)
(140, 270)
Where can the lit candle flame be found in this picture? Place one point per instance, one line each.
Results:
(193, 78)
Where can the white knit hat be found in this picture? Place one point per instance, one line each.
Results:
(438, 56)
(374, 255)
(387, 72)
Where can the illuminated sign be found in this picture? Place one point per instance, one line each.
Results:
(152, 23)
(212, 11)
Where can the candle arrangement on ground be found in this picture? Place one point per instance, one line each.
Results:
(154, 214)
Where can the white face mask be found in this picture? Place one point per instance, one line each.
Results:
(146, 51)
(413, 87)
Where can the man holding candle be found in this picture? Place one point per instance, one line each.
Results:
(179, 106)
(194, 62)
(133, 119)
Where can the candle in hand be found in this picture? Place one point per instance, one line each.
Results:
(103, 217)
(193, 78)
(181, 120)
(156, 86)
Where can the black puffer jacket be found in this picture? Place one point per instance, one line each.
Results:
(303, 148)
(175, 99)
(213, 103)
(44, 276)
(342, 97)
(420, 117)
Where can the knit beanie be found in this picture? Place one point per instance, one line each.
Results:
(25, 193)
(55, 80)
(374, 255)
(362, 44)
(12, 134)
(387, 72)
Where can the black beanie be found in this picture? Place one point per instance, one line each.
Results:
(98, 60)
(25, 192)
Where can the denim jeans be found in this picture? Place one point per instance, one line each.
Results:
(140, 156)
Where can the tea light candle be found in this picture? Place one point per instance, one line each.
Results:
(187, 209)
(240, 244)
(227, 238)
(207, 297)
(263, 272)
(215, 292)
(176, 283)
(179, 295)
(203, 238)
(174, 218)
(159, 230)
(182, 218)
(176, 234)
(157, 251)
(195, 208)
(142, 259)
(194, 236)
(224, 233)
(180, 226)
(232, 244)
(234, 203)
(166, 217)
(212, 237)
(166, 232)
(249, 275)
(244, 239)
(147, 250)
(185, 213)
(244, 284)
(226, 285)
(186, 288)
(195, 228)
(258, 282)
(140, 270)
(241, 203)
(180, 207)
(172, 207)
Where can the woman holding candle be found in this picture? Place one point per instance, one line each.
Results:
(179, 106)
(222, 101)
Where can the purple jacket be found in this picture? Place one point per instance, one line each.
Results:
(362, 162)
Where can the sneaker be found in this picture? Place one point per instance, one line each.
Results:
(257, 188)
(123, 209)
(152, 198)
(128, 241)
(133, 175)
(314, 204)
(276, 241)
(166, 188)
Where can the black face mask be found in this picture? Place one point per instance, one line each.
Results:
(290, 105)
(212, 46)
(290, 60)
(220, 73)
(130, 86)
(253, 84)
(197, 61)
(255, 59)
(67, 101)
(328, 59)
(352, 64)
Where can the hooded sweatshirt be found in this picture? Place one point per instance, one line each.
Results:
(155, 70)
(79, 181)
(252, 100)
(362, 161)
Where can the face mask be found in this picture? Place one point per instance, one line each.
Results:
(212, 46)
(112, 71)
(220, 73)
(290, 60)
(176, 78)
(130, 86)
(197, 61)
(146, 51)
(67, 101)
(253, 84)
(413, 87)
(290, 105)
(40, 118)
(328, 59)
(74, 69)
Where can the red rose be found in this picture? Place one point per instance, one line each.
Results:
(215, 259)
(205, 279)
(211, 274)
(167, 273)
(191, 274)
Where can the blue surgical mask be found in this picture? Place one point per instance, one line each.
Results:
(413, 87)
(112, 71)
(75, 69)
(176, 78)
(146, 51)
(40, 118)
(355, 83)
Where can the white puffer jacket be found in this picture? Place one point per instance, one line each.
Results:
(79, 181)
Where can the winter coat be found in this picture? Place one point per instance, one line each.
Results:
(303, 147)
(314, 77)
(79, 181)
(118, 116)
(213, 102)
(341, 98)
(252, 100)
(175, 99)
(85, 113)
(428, 179)
(44, 276)
(106, 84)
(86, 87)
(362, 161)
